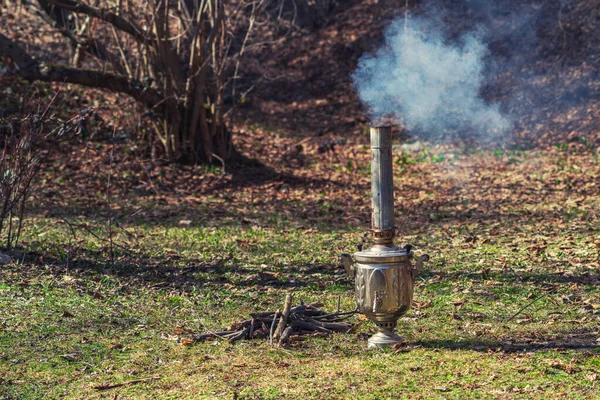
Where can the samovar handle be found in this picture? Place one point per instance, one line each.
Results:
(348, 263)
(419, 265)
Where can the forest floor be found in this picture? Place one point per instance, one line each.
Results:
(124, 259)
(508, 306)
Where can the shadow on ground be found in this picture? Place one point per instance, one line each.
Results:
(575, 339)
(169, 273)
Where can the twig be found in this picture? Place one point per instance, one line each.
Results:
(108, 198)
(88, 230)
(222, 163)
(264, 314)
(309, 326)
(340, 316)
(334, 326)
(285, 335)
(527, 305)
(239, 335)
(284, 318)
(251, 328)
(273, 327)
(278, 326)
(133, 382)
(205, 336)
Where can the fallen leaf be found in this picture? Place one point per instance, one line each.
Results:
(355, 327)
(459, 304)
(400, 347)
(70, 357)
(422, 305)
(98, 295)
(268, 276)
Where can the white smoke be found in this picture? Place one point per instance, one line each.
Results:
(428, 82)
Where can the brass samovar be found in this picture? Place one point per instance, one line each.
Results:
(383, 274)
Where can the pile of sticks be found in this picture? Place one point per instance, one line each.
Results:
(282, 326)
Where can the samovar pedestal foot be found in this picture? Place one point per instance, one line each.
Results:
(385, 337)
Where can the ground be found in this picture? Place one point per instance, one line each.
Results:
(507, 307)
(124, 258)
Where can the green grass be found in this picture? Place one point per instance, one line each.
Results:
(508, 306)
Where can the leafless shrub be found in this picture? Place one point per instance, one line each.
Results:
(25, 144)
(176, 57)
(20, 160)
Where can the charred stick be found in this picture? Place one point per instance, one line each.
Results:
(334, 317)
(116, 385)
(284, 317)
(273, 327)
(260, 331)
(267, 321)
(338, 319)
(300, 320)
(212, 334)
(298, 309)
(239, 335)
(337, 327)
(304, 307)
(285, 335)
(240, 324)
(305, 325)
(251, 328)
(312, 312)
(264, 314)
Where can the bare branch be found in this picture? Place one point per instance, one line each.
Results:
(90, 45)
(30, 69)
(117, 21)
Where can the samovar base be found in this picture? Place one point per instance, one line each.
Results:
(386, 336)
(384, 339)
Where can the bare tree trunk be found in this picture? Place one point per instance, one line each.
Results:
(173, 63)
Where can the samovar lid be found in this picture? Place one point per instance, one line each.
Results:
(383, 254)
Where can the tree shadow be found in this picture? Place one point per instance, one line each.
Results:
(252, 173)
(169, 273)
(330, 214)
(583, 339)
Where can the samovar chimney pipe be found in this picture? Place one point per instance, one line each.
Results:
(382, 180)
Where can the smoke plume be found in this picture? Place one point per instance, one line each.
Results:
(429, 81)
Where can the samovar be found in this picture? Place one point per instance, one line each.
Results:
(383, 274)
